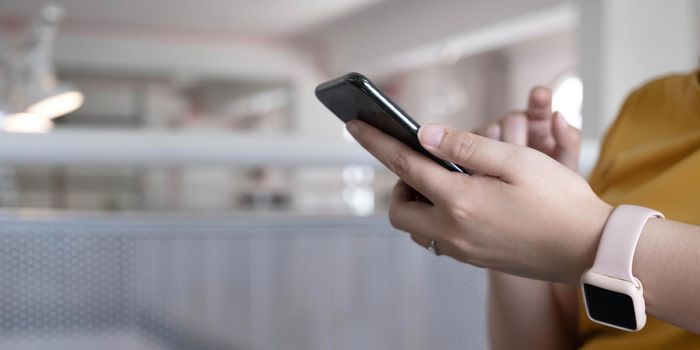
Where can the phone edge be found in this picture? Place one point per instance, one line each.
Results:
(366, 85)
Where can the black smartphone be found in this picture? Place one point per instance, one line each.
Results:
(353, 96)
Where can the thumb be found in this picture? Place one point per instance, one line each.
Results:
(486, 156)
(568, 142)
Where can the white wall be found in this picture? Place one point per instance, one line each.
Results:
(539, 62)
(624, 43)
(394, 27)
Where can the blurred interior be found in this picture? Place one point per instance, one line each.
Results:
(202, 198)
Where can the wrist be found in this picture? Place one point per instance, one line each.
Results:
(613, 295)
(598, 218)
(644, 256)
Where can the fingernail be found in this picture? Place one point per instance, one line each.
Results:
(352, 127)
(431, 135)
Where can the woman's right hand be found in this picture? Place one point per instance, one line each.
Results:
(539, 128)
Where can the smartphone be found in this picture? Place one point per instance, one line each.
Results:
(353, 96)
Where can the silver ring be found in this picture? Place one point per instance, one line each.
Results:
(432, 247)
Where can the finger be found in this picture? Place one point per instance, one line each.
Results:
(514, 129)
(568, 142)
(425, 243)
(443, 247)
(493, 131)
(415, 169)
(404, 193)
(421, 240)
(539, 105)
(408, 214)
(539, 114)
(484, 155)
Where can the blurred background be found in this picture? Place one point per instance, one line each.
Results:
(168, 179)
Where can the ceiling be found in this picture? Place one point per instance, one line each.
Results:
(259, 17)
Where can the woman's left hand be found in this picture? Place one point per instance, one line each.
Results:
(521, 213)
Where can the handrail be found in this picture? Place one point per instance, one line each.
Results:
(177, 224)
(127, 147)
(110, 147)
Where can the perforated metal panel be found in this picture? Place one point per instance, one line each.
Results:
(135, 282)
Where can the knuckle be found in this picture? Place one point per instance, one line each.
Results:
(463, 245)
(461, 210)
(398, 163)
(465, 147)
(462, 248)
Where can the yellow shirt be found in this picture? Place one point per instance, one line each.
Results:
(651, 157)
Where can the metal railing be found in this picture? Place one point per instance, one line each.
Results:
(82, 281)
(114, 147)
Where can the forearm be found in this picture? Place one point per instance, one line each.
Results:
(667, 261)
(524, 313)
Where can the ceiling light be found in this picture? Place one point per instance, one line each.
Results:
(56, 103)
(26, 123)
(30, 83)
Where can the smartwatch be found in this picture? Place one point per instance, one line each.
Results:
(611, 294)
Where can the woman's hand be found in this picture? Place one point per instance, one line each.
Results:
(539, 128)
(542, 314)
(522, 213)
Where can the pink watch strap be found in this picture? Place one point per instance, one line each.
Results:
(619, 240)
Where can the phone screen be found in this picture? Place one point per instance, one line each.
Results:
(354, 97)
